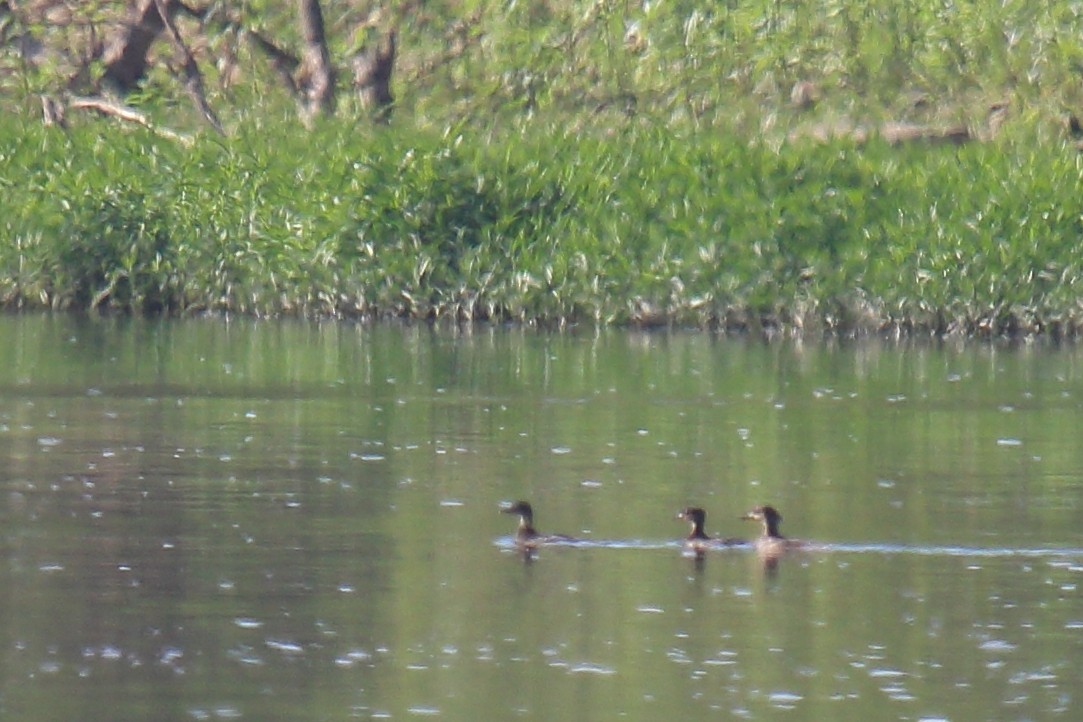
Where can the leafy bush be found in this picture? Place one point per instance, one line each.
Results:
(547, 225)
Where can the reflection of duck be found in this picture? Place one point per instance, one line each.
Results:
(526, 535)
(698, 540)
(771, 542)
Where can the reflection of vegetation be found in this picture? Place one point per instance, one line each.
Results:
(207, 512)
(577, 162)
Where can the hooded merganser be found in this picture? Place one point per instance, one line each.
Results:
(698, 539)
(771, 541)
(526, 535)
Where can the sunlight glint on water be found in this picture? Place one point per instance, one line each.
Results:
(243, 520)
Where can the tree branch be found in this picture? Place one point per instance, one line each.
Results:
(128, 114)
(284, 63)
(372, 67)
(193, 79)
(126, 57)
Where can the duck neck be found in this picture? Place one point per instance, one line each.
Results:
(526, 529)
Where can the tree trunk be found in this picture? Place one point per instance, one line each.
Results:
(126, 56)
(372, 77)
(316, 78)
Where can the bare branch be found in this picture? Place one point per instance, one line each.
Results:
(193, 79)
(283, 62)
(128, 114)
(52, 112)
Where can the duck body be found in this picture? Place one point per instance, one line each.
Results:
(698, 540)
(771, 542)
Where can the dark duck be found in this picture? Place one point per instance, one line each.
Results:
(698, 540)
(526, 536)
(771, 542)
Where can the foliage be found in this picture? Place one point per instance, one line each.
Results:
(590, 62)
(558, 162)
(639, 226)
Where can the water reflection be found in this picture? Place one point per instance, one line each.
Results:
(222, 519)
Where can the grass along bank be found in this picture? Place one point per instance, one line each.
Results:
(635, 225)
(572, 161)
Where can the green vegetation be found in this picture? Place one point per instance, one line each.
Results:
(592, 162)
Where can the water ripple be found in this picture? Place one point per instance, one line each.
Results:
(284, 646)
(422, 710)
(951, 550)
(591, 668)
(508, 542)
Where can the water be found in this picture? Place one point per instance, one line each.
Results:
(214, 520)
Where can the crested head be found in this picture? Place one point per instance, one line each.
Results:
(696, 516)
(763, 512)
(521, 508)
(526, 531)
(769, 516)
(693, 514)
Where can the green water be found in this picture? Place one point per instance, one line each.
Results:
(252, 520)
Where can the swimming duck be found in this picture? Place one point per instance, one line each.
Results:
(698, 539)
(526, 536)
(772, 541)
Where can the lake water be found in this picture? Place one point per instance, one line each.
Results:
(215, 520)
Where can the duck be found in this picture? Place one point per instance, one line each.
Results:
(526, 536)
(698, 539)
(771, 542)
